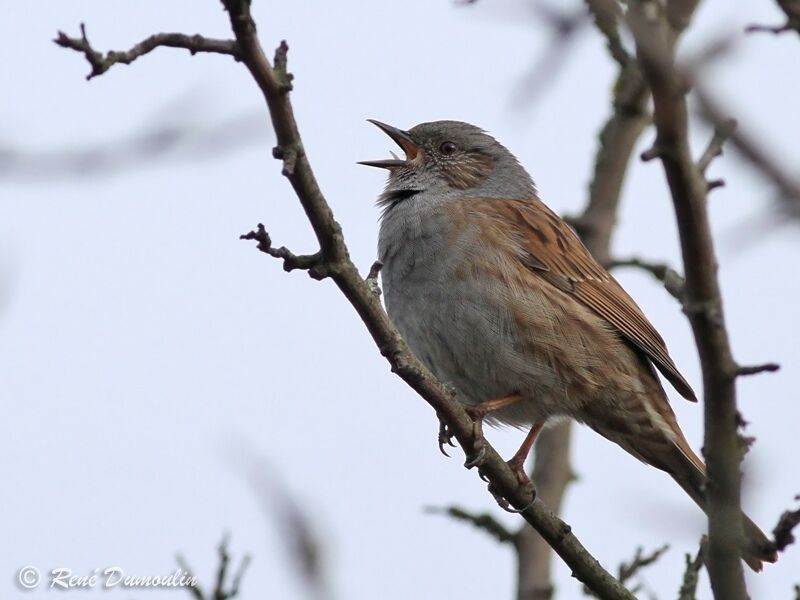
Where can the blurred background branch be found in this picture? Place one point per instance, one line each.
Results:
(790, 8)
(222, 590)
(179, 139)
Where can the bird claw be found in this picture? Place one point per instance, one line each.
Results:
(445, 438)
(506, 505)
(476, 458)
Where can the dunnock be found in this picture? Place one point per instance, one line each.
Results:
(498, 297)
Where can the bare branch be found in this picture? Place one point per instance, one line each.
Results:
(372, 277)
(552, 471)
(791, 8)
(673, 282)
(774, 29)
(617, 139)
(691, 575)
(100, 63)
(222, 569)
(607, 14)
(309, 262)
(194, 589)
(787, 185)
(714, 149)
(783, 530)
(177, 140)
(703, 306)
(627, 570)
(563, 27)
(236, 583)
(221, 590)
(302, 545)
(639, 561)
(756, 369)
(483, 521)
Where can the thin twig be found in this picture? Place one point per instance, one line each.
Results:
(627, 570)
(791, 8)
(236, 583)
(788, 185)
(221, 591)
(189, 140)
(372, 277)
(774, 29)
(673, 282)
(309, 262)
(639, 561)
(483, 521)
(101, 63)
(783, 531)
(691, 576)
(563, 26)
(606, 14)
(194, 588)
(714, 149)
(617, 140)
(756, 369)
(300, 541)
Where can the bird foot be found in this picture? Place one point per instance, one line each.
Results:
(517, 464)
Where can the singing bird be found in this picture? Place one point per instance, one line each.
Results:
(498, 297)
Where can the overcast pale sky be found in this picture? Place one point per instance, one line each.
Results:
(150, 361)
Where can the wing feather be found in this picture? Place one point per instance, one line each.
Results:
(551, 249)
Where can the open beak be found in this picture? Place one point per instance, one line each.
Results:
(402, 139)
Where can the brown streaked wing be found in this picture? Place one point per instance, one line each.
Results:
(561, 259)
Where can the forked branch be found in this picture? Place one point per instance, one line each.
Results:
(103, 62)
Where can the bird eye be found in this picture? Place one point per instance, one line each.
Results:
(447, 148)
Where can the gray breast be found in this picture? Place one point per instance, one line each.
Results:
(457, 325)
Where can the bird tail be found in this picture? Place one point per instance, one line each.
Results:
(647, 429)
(689, 472)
